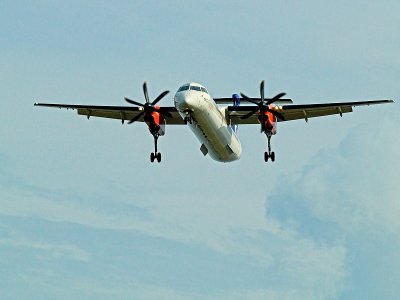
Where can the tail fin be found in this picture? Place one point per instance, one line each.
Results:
(236, 103)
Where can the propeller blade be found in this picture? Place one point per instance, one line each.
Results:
(148, 107)
(249, 99)
(277, 97)
(262, 91)
(248, 115)
(136, 118)
(133, 102)
(162, 95)
(263, 106)
(146, 94)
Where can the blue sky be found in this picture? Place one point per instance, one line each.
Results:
(84, 215)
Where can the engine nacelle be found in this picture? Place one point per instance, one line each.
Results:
(155, 122)
(270, 123)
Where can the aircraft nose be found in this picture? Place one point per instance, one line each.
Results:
(179, 98)
(183, 100)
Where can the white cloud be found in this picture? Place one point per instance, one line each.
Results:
(237, 226)
(53, 251)
(229, 226)
(348, 197)
(356, 185)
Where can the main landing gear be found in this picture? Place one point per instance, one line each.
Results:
(155, 155)
(269, 154)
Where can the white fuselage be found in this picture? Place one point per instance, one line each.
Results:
(208, 122)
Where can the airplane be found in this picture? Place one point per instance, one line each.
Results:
(214, 121)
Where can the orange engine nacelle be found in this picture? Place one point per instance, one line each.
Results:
(269, 122)
(155, 121)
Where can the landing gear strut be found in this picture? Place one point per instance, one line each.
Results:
(155, 155)
(269, 154)
(188, 119)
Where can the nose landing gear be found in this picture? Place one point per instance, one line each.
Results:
(188, 119)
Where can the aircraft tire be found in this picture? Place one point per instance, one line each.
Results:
(266, 156)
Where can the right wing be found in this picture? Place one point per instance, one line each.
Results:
(123, 113)
(295, 112)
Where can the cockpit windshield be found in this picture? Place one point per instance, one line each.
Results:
(195, 88)
(204, 90)
(198, 88)
(187, 87)
(183, 88)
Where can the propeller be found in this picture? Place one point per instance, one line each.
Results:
(263, 106)
(148, 107)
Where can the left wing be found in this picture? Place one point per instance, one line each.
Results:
(295, 112)
(123, 113)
